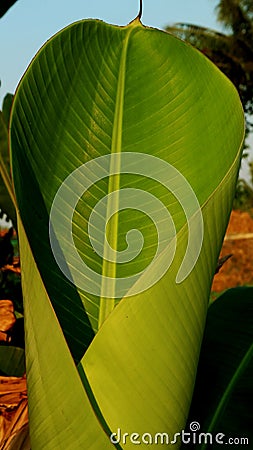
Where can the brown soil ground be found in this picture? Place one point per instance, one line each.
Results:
(238, 270)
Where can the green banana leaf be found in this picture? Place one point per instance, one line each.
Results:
(7, 201)
(133, 115)
(222, 401)
(55, 391)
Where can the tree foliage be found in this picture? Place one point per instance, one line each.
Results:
(231, 51)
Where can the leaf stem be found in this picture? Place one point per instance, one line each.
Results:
(140, 10)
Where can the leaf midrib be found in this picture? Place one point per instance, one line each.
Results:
(107, 300)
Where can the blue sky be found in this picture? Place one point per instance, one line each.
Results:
(29, 23)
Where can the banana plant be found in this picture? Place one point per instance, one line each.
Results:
(125, 149)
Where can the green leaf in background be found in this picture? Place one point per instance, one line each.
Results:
(12, 361)
(6, 110)
(92, 91)
(7, 201)
(222, 402)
